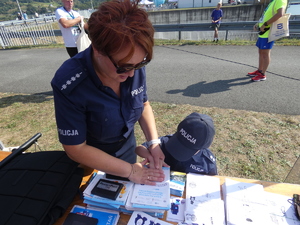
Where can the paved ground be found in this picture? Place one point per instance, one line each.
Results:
(208, 76)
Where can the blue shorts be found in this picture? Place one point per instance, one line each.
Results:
(262, 43)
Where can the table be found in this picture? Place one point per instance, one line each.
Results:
(279, 188)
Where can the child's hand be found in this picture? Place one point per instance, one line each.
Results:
(158, 157)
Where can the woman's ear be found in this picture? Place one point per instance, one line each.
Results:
(95, 51)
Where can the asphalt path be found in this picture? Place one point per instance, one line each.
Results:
(207, 76)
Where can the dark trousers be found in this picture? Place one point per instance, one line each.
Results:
(72, 51)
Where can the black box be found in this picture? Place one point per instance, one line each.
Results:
(107, 189)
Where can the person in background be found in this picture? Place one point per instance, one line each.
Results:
(101, 93)
(264, 47)
(69, 21)
(216, 17)
(25, 15)
(19, 16)
(187, 150)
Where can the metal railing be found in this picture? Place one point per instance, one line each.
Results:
(27, 32)
(40, 31)
(227, 27)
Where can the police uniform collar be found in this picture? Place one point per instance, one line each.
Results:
(88, 55)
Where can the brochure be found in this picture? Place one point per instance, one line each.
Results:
(177, 183)
(138, 217)
(176, 212)
(129, 206)
(245, 203)
(105, 217)
(157, 196)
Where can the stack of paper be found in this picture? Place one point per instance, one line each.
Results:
(148, 198)
(245, 203)
(281, 211)
(203, 200)
(97, 201)
(105, 217)
(154, 200)
(177, 183)
(150, 211)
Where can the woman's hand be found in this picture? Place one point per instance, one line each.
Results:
(144, 175)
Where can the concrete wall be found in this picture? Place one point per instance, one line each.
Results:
(185, 16)
(197, 3)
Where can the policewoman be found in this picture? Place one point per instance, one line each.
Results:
(100, 94)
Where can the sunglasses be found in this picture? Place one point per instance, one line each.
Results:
(125, 69)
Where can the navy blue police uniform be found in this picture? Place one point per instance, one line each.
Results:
(203, 162)
(86, 110)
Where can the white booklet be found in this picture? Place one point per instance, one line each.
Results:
(138, 217)
(203, 200)
(130, 207)
(200, 189)
(245, 203)
(157, 196)
(206, 213)
(281, 209)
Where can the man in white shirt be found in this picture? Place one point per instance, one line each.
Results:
(69, 21)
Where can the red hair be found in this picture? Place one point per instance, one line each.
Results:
(118, 24)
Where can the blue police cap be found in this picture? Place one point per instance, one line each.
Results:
(194, 133)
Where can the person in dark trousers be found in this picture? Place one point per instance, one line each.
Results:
(68, 21)
(188, 149)
(216, 17)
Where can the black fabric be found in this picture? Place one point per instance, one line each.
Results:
(36, 188)
(73, 219)
(72, 51)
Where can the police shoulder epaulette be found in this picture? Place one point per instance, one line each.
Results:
(72, 79)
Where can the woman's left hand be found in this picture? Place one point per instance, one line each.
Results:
(141, 174)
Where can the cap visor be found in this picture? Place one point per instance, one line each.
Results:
(177, 150)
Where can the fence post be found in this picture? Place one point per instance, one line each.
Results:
(226, 35)
(1, 42)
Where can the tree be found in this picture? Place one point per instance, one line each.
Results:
(31, 9)
(43, 10)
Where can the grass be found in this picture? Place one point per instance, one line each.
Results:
(281, 42)
(247, 144)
